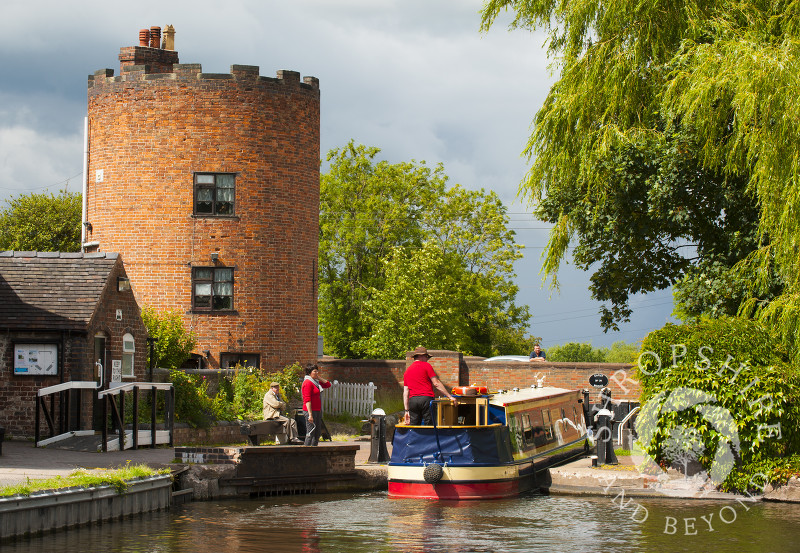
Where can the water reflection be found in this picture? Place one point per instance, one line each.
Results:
(375, 523)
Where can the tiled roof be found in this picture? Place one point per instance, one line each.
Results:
(51, 290)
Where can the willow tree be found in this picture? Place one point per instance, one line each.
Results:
(717, 82)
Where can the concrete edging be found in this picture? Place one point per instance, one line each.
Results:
(62, 508)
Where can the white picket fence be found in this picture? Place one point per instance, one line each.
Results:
(356, 399)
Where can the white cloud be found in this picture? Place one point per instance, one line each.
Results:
(36, 162)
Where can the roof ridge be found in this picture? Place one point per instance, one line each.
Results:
(59, 255)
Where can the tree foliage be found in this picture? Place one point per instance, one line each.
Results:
(42, 222)
(174, 343)
(574, 352)
(713, 82)
(405, 260)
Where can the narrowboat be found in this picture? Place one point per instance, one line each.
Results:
(487, 445)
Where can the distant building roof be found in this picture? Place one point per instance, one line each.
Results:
(52, 290)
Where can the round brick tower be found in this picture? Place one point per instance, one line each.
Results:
(208, 185)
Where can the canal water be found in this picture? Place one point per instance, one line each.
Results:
(374, 523)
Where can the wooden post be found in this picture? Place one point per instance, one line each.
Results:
(136, 417)
(36, 431)
(105, 424)
(153, 398)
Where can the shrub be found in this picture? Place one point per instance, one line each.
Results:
(751, 477)
(709, 383)
(241, 395)
(192, 403)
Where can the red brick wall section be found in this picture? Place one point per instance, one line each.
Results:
(148, 133)
(454, 369)
(220, 433)
(386, 375)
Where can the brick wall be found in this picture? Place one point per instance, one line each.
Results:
(149, 132)
(454, 369)
(221, 433)
(18, 392)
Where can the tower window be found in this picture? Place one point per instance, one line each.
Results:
(214, 193)
(213, 288)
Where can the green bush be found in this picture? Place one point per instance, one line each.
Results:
(192, 403)
(620, 352)
(751, 477)
(706, 384)
(241, 395)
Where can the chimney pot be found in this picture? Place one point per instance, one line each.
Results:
(144, 37)
(155, 37)
(169, 37)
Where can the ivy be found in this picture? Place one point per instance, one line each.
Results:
(729, 383)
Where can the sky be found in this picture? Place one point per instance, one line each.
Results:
(415, 78)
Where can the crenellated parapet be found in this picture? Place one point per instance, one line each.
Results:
(188, 72)
(148, 62)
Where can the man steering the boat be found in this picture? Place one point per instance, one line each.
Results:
(419, 381)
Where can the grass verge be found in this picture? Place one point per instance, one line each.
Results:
(118, 478)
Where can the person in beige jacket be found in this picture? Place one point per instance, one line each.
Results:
(272, 411)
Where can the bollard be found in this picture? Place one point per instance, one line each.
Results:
(604, 425)
(300, 419)
(2, 437)
(378, 452)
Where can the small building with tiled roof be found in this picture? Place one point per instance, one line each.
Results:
(64, 317)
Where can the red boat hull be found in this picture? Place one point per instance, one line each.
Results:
(454, 490)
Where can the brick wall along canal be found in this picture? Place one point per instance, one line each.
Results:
(373, 523)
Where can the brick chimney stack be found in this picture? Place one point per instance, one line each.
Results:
(149, 55)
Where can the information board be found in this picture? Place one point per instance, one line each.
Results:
(36, 359)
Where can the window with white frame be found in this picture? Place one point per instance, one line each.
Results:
(128, 350)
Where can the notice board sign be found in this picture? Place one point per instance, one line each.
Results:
(36, 359)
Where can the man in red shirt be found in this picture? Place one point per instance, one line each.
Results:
(419, 381)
